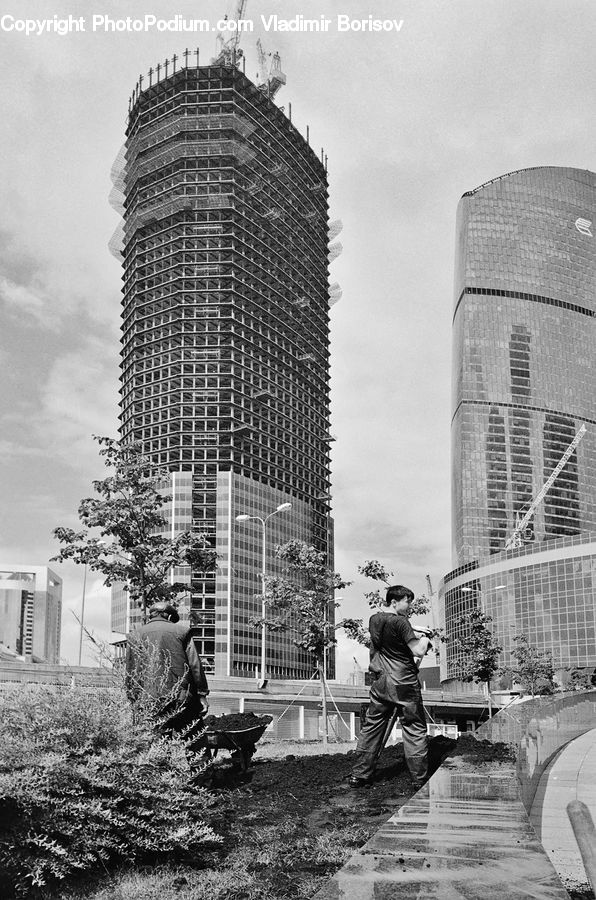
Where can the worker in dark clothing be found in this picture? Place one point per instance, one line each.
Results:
(395, 646)
(163, 667)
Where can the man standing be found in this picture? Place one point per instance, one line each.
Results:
(164, 669)
(394, 649)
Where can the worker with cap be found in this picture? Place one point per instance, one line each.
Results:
(164, 668)
(395, 646)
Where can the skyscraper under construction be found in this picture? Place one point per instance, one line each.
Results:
(225, 337)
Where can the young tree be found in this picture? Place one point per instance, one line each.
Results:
(533, 668)
(300, 602)
(581, 679)
(377, 572)
(127, 511)
(479, 651)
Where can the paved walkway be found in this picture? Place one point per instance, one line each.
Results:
(466, 834)
(463, 836)
(570, 776)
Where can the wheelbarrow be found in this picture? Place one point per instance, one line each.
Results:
(241, 744)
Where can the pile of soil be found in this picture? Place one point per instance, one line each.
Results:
(235, 721)
(473, 750)
(583, 892)
(313, 793)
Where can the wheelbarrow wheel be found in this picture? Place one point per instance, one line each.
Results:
(242, 757)
(247, 755)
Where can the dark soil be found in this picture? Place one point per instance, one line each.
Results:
(473, 750)
(305, 799)
(296, 784)
(235, 721)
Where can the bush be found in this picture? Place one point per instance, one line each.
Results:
(36, 719)
(82, 786)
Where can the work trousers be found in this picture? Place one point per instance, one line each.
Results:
(387, 695)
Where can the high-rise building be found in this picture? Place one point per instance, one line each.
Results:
(225, 338)
(524, 383)
(30, 612)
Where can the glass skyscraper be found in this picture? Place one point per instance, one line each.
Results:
(524, 382)
(225, 340)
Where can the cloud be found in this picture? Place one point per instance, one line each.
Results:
(80, 399)
(13, 450)
(25, 301)
(18, 265)
(22, 274)
(42, 285)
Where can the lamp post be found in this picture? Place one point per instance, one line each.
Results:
(245, 518)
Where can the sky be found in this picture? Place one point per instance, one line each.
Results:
(455, 94)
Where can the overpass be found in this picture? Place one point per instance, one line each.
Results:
(294, 705)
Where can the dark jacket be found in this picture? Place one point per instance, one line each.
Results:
(161, 658)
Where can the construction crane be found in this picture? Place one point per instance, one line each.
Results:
(515, 539)
(263, 74)
(270, 80)
(227, 52)
(356, 677)
(431, 597)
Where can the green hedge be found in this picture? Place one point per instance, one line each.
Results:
(82, 787)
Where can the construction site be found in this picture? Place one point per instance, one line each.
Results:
(225, 245)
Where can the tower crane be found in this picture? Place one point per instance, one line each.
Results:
(270, 80)
(262, 58)
(431, 597)
(357, 674)
(227, 51)
(515, 538)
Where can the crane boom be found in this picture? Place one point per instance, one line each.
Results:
(228, 53)
(262, 57)
(431, 597)
(272, 79)
(514, 539)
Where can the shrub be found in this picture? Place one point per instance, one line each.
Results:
(82, 786)
(35, 719)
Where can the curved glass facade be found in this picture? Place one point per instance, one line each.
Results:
(524, 378)
(524, 382)
(547, 594)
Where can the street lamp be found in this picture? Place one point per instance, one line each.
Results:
(245, 518)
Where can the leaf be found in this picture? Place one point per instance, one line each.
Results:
(128, 511)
